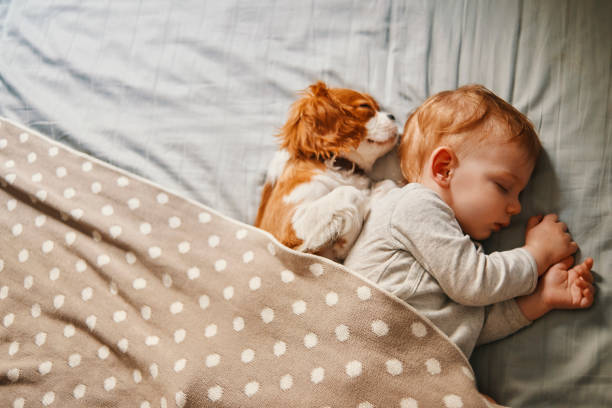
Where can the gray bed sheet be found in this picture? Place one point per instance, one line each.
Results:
(190, 94)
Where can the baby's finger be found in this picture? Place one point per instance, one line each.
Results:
(533, 221)
(551, 217)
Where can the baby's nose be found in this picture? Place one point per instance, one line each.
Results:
(390, 116)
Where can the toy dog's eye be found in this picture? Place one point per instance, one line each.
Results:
(365, 105)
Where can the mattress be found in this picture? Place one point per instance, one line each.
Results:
(190, 95)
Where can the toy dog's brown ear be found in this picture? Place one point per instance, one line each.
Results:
(316, 125)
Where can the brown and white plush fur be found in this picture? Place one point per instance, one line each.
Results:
(316, 194)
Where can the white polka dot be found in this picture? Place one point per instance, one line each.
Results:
(8, 320)
(123, 182)
(32, 157)
(228, 292)
(10, 178)
(452, 401)
(267, 315)
(61, 172)
(130, 258)
(210, 330)
(317, 375)
(271, 249)
(248, 256)
(174, 222)
(45, 368)
(70, 238)
(40, 338)
(47, 246)
(176, 307)
(123, 345)
(220, 265)
(380, 328)
(238, 324)
(48, 398)
(17, 229)
(91, 322)
(77, 213)
(115, 231)
(167, 280)
(353, 368)
(86, 294)
(96, 187)
(58, 301)
(316, 269)
(215, 393)
(87, 166)
(213, 241)
(241, 234)
(394, 366)
(433, 366)
(103, 353)
(162, 198)
(180, 398)
(299, 307)
(139, 284)
(74, 360)
(4, 292)
(69, 331)
(193, 273)
(184, 247)
(19, 403)
(331, 299)
(23, 256)
(409, 403)
(103, 260)
(13, 374)
(155, 252)
(152, 340)
(35, 310)
(204, 217)
(365, 404)
(342, 332)
(9, 164)
(364, 293)
(69, 193)
(54, 274)
(120, 316)
(53, 151)
(247, 356)
(11, 204)
(255, 283)
(154, 370)
(79, 391)
(133, 203)
(418, 329)
(180, 365)
(204, 301)
(179, 336)
(28, 281)
(23, 137)
(213, 360)
(286, 382)
(13, 348)
(107, 210)
(145, 228)
(280, 348)
(1, 265)
(3, 143)
(110, 383)
(287, 276)
(311, 340)
(251, 388)
(37, 178)
(40, 221)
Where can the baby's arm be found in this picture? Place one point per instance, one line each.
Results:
(561, 287)
(548, 241)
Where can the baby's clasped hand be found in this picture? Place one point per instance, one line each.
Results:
(548, 241)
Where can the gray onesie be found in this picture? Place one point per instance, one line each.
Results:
(412, 246)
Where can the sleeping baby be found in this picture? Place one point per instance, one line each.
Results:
(467, 154)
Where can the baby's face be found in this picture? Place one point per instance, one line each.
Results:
(485, 185)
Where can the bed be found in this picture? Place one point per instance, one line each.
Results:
(174, 105)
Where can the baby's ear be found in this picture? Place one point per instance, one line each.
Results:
(443, 162)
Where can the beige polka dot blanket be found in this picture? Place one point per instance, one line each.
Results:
(117, 293)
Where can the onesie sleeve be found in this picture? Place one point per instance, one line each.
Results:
(422, 224)
(501, 320)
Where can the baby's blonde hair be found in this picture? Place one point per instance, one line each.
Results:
(449, 118)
